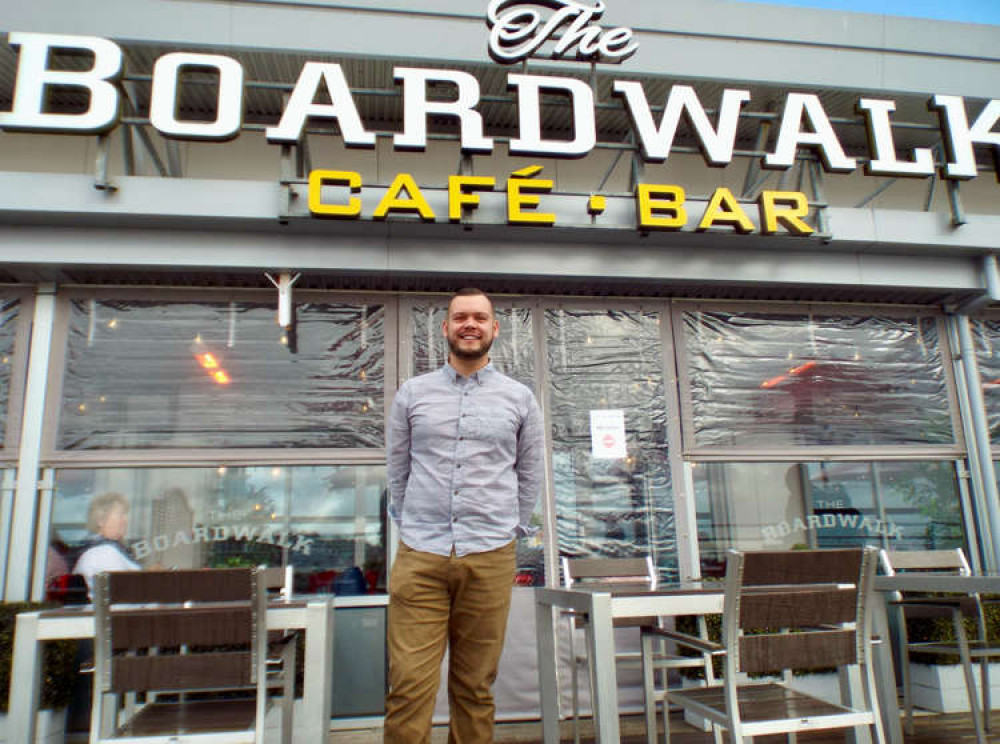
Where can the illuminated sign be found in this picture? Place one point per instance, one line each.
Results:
(339, 194)
(802, 122)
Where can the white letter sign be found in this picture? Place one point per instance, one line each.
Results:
(163, 104)
(34, 76)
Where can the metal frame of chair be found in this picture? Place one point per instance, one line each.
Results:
(172, 635)
(619, 572)
(953, 608)
(784, 610)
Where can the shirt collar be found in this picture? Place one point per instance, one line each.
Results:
(478, 376)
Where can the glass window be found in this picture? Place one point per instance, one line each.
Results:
(221, 375)
(986, 335)
(900, 505)
(325, 521)
(8, 333)
(513, 353)
(768, 380)
(612, 498)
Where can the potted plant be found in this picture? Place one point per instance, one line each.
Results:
(58, 675)
(938, 683)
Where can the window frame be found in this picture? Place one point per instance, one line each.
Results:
(796, 453)
(52, 456)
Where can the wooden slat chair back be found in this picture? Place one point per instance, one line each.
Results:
(802, 591)
(620, 574)
(953, 608)
(190, 631)
(783, 611)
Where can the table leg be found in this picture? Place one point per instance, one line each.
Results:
(545, 634)
(317, 696)
(885, 675)
(603, 674)
(25, 675)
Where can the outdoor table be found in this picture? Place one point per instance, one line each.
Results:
(887, 586)
(313, 614)
(603, 603)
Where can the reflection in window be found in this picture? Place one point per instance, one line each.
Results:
(183, 375)
(607, 504)
(898, 505)
(327, 522)
(986, 335)
(513, 354)
(769, 380)
(8, 331)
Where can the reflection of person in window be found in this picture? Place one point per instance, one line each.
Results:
(107, 519)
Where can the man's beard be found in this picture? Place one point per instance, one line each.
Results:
(470, 354)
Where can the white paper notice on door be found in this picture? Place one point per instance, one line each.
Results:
(607, 435)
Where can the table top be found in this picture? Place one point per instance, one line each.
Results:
(631, 589)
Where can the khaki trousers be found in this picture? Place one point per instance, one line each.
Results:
(437, 601)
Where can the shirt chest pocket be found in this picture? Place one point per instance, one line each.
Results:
(496, 426)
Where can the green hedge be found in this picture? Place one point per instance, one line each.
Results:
(59, 668)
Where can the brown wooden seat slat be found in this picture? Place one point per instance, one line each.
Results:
(764, 702)
(197, 585)
(202, 716)
(761, 654)
(807, 567)
(167, 627)
(941, 561)
(619, 569)
(783, 609)
(209, 671)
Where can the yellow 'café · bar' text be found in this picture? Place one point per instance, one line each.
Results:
(658, 206)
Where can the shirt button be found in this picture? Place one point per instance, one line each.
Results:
(458, 466)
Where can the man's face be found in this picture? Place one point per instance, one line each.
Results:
(470, 327)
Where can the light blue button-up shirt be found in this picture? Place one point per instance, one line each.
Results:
(465, 460)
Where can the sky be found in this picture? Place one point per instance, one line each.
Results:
(967, 11)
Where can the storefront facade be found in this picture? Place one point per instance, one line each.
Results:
(746, 259)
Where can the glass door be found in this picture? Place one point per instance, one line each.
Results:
(608, 421)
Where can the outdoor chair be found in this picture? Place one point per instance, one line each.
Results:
(783, 611)
(622, 574)
(193, 644)
(955, 609)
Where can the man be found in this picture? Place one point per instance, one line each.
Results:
(465, 456)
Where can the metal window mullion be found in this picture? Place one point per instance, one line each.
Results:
(6, 514)
(985, 495)
(25, 507)
(681, 480)
(46, 486)
(550, 537)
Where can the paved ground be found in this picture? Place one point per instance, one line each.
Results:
(930, 729)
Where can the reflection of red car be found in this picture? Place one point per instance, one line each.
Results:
(524, 578)
(67, 589)
(321, 582)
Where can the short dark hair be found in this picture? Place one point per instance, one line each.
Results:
(472, 292)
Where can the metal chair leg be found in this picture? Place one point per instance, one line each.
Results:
(970, 683)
